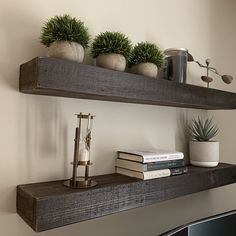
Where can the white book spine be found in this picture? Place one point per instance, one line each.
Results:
(144, 175)
(167, 157)
(156, 174)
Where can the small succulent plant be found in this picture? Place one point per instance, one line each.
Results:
(64, 28)
(111, 42)
(202, 130)
(146, 52)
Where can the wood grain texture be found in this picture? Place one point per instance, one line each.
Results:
(49, 205)
(56, 77)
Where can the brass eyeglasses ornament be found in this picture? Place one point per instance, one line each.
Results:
(226, 78)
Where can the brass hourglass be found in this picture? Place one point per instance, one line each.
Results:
(82, 153)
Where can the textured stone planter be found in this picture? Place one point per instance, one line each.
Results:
(205, 154)
(146, 69)
(111, 61)
(66, 50)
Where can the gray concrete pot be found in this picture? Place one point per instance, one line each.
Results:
(111, 61)
(66, 50)
(146, 69)
(205, 154)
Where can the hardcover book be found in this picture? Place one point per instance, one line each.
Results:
(144, 175)
(142, 167)
(152, 174)
(147, 156)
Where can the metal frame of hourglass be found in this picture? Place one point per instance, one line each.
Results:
(81, 153)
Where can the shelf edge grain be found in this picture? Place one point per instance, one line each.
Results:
(52, 205)
(57, 77)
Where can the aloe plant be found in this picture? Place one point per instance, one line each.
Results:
(202, 130)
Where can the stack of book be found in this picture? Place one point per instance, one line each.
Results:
(150, 165)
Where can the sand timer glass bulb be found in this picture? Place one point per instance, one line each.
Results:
(84, 145)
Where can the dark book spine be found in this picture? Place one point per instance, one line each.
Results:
(179, 170)
(164, 165)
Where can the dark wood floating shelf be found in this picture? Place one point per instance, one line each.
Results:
(56, 77)
(50, 205)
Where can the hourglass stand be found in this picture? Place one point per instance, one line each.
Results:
(81, 181)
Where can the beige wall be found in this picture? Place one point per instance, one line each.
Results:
(36, 132)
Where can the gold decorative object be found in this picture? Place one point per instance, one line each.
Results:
(82, 153)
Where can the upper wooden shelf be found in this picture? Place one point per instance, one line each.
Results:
(56, 77)
(50, 205)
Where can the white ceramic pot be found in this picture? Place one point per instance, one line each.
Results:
(66, 50)
(111, 61)
(205, 154)
(146, 69)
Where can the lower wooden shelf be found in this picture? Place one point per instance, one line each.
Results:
(50, 205)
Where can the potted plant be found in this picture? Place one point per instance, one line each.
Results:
(111, 50)
(203, 151)
(66, 37)
(145, 59)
